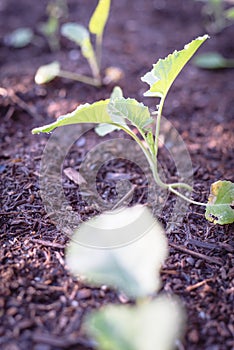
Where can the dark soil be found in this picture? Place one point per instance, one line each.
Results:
(41, 304)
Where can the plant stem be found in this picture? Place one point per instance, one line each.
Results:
(157, 128)
(99, 50)
(185, 198)
(181, 185)
(152, 160)
(95, 68)
(139, 142)
(79, 77)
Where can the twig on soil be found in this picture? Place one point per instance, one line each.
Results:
(210, 259)
(197, 285)
(47, 243)
(122, 200)
(18, 101)
(61, 342)
(207, 245)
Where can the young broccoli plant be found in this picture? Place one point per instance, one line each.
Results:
(81, 36)
(121, 113)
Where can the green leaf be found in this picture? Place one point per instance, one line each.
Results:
(212, 60)
(80, 35)
(151, 325)
(50, 27)
(105, 129)
(221, 198)
(130, 109)
(19, 38)
(137, 247)
(229, 14)
(150, 140)
(47, 73)
(98, 20)
(116, 93)
(94, 113)
(165, 71)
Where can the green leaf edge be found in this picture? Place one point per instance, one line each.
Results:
(152, 79)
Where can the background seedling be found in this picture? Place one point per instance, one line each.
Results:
(118, 111)
(81, 36)
(218, 18)
(215, 14)
(56, 9)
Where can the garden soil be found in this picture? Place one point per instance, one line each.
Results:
(41, 304)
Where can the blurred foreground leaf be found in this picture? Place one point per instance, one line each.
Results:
(137, 247)
(151, 325)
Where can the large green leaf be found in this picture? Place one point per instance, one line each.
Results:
(164, 72)
(94, 113)
(218, 209)
(151, 325)
(122, 248)
(80, 35)
(47, 73)
(98, 20)
(129, 109)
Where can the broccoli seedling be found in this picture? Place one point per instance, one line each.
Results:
(118, 111)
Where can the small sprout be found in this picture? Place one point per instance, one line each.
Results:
(131, 268)
(19, 38)
(221, 199)
(56, 9)
(150, 325)
(47, 73)
(213, 60)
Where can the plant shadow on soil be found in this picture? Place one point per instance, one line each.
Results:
(41, 304)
